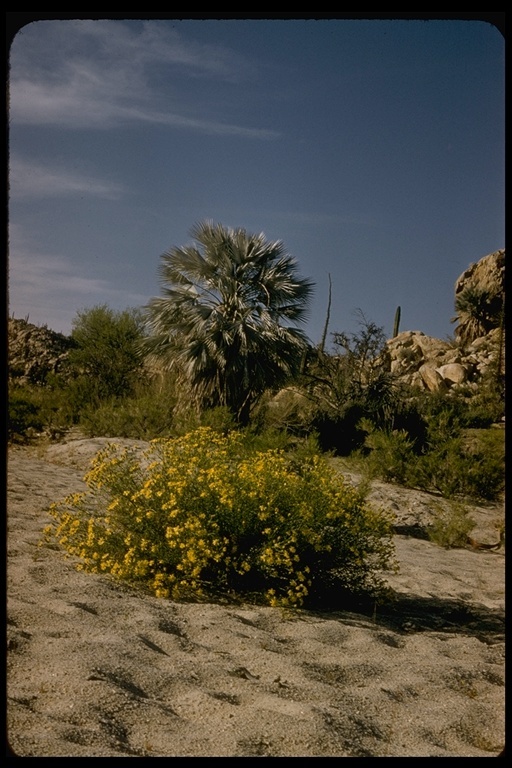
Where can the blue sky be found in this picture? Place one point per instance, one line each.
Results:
(374, 149)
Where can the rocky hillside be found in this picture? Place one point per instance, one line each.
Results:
(479, 340)
(35, 352)
(439, 365)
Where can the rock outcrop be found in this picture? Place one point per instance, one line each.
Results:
(439, 365)
(480, 298)
(35, 352)
(478, 347)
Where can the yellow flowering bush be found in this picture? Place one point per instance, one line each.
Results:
(203, 515)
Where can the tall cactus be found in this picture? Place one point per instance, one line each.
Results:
(321, 346)
(397, 322)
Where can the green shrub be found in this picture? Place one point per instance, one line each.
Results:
(485, 452)
(203, 515)
(268, 440)
(58, 411)
(24, 412)
(462, 407)
(147, 413)
(460, 468)
(445, 458)
(486, 406)
(340, 388)
(451, 526)
(35, 408)
(391, 455)
(142, 418)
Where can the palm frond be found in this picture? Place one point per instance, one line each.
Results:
(225, 314)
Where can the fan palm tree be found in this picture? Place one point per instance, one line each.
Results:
(224, 320)
(478, 311)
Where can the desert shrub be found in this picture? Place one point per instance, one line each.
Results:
(142, 418)
(148, 414)
(58, 409)
(391, 454)
(36, 408)
(452, 526)
(349, 384)
(203, 515)
(24, 412)
(482, 412)
(340, 431)
(471, 464)
(153, 412)
(268, 439)
(463, 407)
(454, 466)
(441, 418)
(440, 469)
(486, 406)
(485, 476)
(149, 411)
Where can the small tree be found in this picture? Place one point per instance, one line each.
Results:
(107, 355)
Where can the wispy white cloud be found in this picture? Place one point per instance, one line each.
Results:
(49, 286)
(31, 180)
(203, 126)
(102, 74)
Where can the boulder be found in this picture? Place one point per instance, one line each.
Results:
(453, 373)
(432, 378)
(488, 274)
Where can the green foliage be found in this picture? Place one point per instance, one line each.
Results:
(391, 455)
(479, 310)
(107, 357)
(268, 440)
(224, 319)
(24, 412)
(206, 515)
(484, 456)
(348, 385)
(154, 410)
(443, 420)
(486, 406)
(451, 526)
(140, 418)
(148, 413)
(454, 466)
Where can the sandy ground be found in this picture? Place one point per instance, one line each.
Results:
(95, 668)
